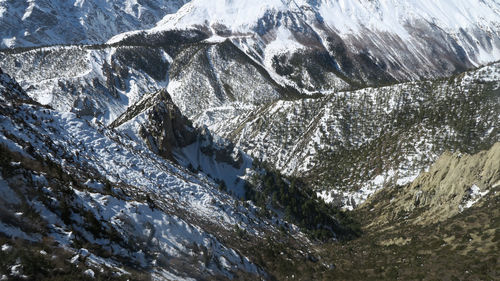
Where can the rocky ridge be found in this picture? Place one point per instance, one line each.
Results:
(57, 22)
(454, 183)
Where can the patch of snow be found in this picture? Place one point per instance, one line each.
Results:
(472, 196)
(351, 199)
(16, 270)
(89, 272)
(74, 259)
(6, 248)
(95, 185)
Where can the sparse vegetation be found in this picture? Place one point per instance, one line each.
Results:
(301, 206)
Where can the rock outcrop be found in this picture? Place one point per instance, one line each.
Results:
(453, 184)
(165, 127)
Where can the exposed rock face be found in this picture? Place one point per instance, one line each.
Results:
(165, 127)
(158, 123)
(165, 130)
(454, 183)
(10, 89)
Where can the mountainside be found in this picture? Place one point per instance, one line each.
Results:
(82, 185)
(356, 41)
(270, 140)
(354, 143)
(50, 22)
(447, 216)
(104, 81)
(115, 203)
(240, 95)
(244, 84)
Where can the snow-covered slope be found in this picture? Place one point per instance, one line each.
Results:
(48, 22)
(400, 38)
(345, 16)
(92, 82)
(107, 183)
(147, 196)
(359, 141)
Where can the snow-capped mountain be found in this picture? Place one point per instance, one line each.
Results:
(235, 55)
(399, 39)
(249, 65)
(49, 22)
(214, 140)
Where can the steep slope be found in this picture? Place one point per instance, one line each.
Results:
(86, 186)
(455, 183)
(449, 215)
(356, 142)
(114, 203)
(49, 22)
(223, 81)
(363, 41)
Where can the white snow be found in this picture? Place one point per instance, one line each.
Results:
(6, 248)
(89, 272)
(346, 16)
(283, 43)
(16, 270)
(349, 16)
(238, 15)
(472, 196)
(95, 185)
(129, 163)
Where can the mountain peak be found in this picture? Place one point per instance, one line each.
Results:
(343, 16)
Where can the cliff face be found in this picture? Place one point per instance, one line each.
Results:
(165, 128)
(453, 184)
(446, 216)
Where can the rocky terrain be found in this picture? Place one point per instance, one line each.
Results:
(56, 22)
(447, 216)
(277, 140)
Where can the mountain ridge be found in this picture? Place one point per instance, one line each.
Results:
(318, 23)
(221, 140)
